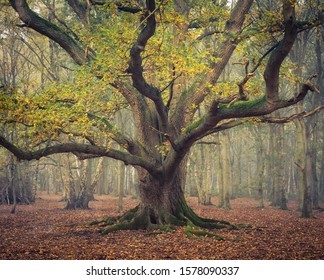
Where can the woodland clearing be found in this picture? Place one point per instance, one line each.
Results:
(45, 230)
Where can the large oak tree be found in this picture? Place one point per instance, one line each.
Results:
(163, 61)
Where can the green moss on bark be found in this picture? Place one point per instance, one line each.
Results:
(191, 231)
(151, 219)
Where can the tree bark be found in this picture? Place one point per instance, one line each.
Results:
(120, 185)
(162, 205)
(12, 172)
(227, 178)
(202, 175)
(304, 170)
(307, 211)
(281, 171)
(260, 162)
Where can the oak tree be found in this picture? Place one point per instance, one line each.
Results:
(161, 60)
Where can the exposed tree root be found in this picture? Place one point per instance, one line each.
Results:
(192, 232)
(151, 219)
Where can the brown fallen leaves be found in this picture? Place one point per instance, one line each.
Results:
(46, 231)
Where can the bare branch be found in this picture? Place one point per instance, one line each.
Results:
(207, 33)
(207, 143)
(292, 117)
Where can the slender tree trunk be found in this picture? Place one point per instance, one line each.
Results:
(120, 185)
(315, 188)
(308, 183)
(220, 174)
(12, 184)
(260, 172)
(307, 194)
(202, 168)
(208, 177)
(71, 192)
(270, 165)
(36, 181)
(104, 189)
(260, 163)
(300, 162)
(197, 175)
(98, 173)
(14, 196)
(85, 195)
(275, 198)
(281, 174)
(82, 197)
(227, 180)
(279, 197)
(320, 100)
(304, 168)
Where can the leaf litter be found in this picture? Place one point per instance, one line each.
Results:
(45, 230)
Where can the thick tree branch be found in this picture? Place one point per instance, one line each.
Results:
(135, 63)
(271, 73)
(258, 107)
(248, 75)
(44, 27)
(139, 104)
(225, 50)
(221, 117)
(78, 149)
(242, 109)
(128, 9)
(121, 5)
(80, 8)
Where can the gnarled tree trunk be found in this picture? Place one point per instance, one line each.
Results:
(162, 205)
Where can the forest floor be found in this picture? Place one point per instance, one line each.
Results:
(45, 230)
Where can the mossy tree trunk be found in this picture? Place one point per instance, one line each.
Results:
(162, 205)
